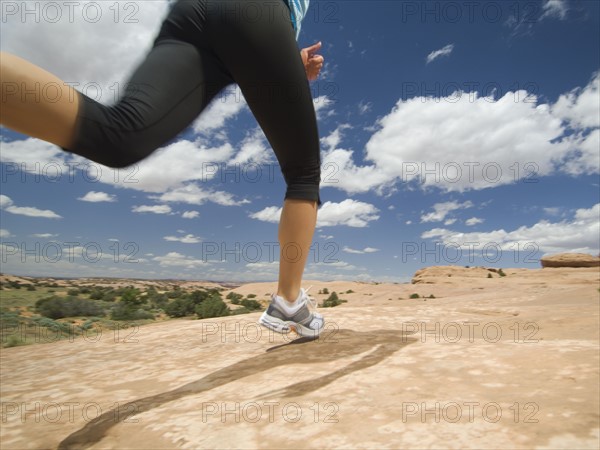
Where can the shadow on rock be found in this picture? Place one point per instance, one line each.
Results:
(331, 346)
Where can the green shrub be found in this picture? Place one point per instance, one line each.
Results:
(125, 311)
(212, 307)
(30, 287)
(58, 307)
(96, 294)
(489, 275)
(501, 273)
(180, 307)
(12, 341)
(251, 304)
(234, 297)
(414, 296)
(332, 301)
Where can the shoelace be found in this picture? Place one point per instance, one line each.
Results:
(313, 304)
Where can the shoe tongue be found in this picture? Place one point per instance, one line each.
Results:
(290, 307)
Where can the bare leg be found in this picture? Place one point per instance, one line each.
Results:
(296, 230)
(35, 102)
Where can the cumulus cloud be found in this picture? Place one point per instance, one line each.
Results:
(555, 8)
(224, 107)
(95, 197)
(253, 150)
(441, 210)
(4, 233)
(8, 205)
(579, 234)
(473, 221)
(323, 106)
(193, 194)
(111, 37)
(467, 142)
(360, 252)
(190, 214)
(174, 259)
(445, 51)
(36, 157)
(187, 239)
(156, 209)
(349, 213)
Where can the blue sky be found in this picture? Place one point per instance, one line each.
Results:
(452, 133)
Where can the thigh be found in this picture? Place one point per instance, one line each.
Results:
(256, 43)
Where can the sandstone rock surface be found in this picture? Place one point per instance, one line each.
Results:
(506, 362)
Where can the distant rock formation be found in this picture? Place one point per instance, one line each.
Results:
(570, 260)
(438, 274)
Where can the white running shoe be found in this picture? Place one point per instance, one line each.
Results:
(300, 316)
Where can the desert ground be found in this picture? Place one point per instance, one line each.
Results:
(474, 362)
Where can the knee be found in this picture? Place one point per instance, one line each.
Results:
(303, 184)
(116, 154)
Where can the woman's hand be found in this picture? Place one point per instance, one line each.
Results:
(313, 63)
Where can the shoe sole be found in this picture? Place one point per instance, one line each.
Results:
(284, 327)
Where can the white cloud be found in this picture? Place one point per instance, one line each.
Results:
(552, 211)
(445, 51)
(190, 214)
(555, 8)
(4, 233)
(37, 157)
(364, 107)
(350, 213)
(156, 209)
(322, 106)
(332, 140)
(5, 201)
(174, 259)
(441, 210)
(121, 42)
(7, 204)
(360, 252)
(580, 106)
(448, 222)
(253, 150)
(270, 214)
(580, 110)
(473, 221)
(577, 235)
(192, 194)
(224, 107)
(187, 239)
(472, 142)
(94, 196)
(44, 235)
(170, 167)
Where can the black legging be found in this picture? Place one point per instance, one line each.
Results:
(202, 47)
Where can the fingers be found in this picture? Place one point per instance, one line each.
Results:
(314, 48)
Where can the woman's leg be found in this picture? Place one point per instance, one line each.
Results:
(257, 45)
(296, 229)
(36, 102)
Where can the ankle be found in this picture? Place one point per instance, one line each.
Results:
(288, 296)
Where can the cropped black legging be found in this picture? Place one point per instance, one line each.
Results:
(202, 47)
